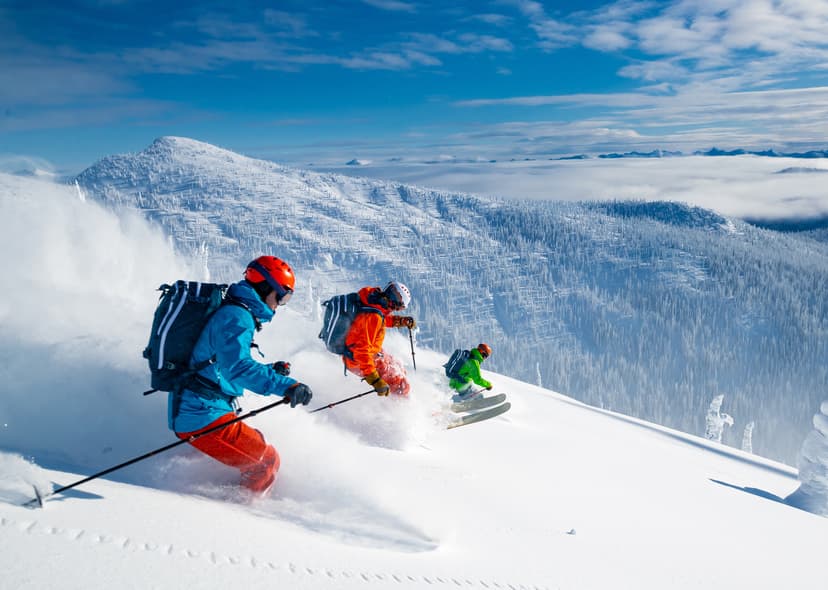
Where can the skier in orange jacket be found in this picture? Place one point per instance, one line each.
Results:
(363, 342)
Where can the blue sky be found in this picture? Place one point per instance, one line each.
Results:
(303, 82)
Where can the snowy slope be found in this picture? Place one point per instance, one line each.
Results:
(556, 495)
(650, 309)
(372, 494)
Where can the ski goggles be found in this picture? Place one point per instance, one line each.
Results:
(283, 294)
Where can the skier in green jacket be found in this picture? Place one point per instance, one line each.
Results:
(469, 374)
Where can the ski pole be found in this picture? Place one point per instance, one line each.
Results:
(411, 339)
(40, 498)
(342, 401)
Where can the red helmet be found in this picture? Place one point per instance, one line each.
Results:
(275, 272)
(485, 349)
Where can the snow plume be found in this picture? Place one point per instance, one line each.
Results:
(73, 326)
(71, 323)
(20, 477)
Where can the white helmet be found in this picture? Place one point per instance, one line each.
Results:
(397, 294)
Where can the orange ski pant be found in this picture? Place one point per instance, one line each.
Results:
(240, 446)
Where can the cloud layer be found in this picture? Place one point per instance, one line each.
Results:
(624, 75)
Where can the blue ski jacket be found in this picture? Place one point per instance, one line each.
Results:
(227, 338)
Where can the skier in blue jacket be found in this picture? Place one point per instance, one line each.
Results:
(210, 399)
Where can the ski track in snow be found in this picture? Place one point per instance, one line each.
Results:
(356, 525)
(92, 538)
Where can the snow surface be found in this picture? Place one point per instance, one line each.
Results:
(372, 494)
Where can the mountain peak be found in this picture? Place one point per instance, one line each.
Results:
(185, 146)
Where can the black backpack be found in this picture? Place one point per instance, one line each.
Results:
(457, 359)
(180, 317)
(340, 311)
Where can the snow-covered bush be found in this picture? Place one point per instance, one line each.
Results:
(715, 421)
(747, 437)
(812, 494)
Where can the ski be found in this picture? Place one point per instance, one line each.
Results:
(478, 416)
(478, 403)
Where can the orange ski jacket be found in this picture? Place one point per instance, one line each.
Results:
(366, 335)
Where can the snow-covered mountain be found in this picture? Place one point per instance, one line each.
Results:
(650, 309)
(373, 493)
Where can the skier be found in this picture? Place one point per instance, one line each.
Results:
(469, 374)
(210, 398)
(364, 355)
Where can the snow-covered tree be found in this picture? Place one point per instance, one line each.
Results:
(204, 256)
(812, 494)
(715, 420)
(747, 437)
(538, 378)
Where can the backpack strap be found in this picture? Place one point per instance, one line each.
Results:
(200, 384)
(204, 388)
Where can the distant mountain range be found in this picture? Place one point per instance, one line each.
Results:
(812, 154)
(649, 309)
(657, 153)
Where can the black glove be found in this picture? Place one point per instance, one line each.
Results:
(282, 367)
(379, 385)
(489, 387)
(299, 394)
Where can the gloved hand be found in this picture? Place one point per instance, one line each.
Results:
(375, 381)
(299, 394)
(404, 321)
(282, 367)
(489, 387)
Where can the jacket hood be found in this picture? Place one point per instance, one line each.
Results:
(244, 292)
(370, 296)
(475, 354)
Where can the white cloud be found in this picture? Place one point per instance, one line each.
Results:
(607, 38)
(378, 60)
(40, 80)
(610, 99)
(552, 34)
(653, 71)
(477, 43)
(464, 43)
(294, 24)
(392, 5)
(498, 20)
